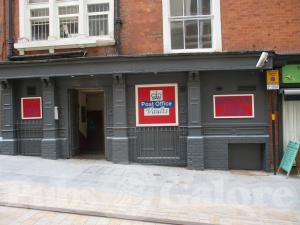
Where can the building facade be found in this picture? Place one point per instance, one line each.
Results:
(168, 82)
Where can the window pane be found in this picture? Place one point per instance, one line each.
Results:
(204, 7)
(98, 25)
(68, 27)
(98, 8)
(37, 1)
(205, 34)
(64, 10)
(176, 7)
(177, 35)
(190, 7)
(39, 12)
(39, 30)
(191, 34)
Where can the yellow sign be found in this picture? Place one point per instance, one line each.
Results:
(272, 79)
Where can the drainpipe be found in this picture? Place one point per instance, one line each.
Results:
(10, 38)
(118, 27)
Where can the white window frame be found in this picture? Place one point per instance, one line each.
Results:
(37, 18)
(110, 17)
(215, 29)
(54, 41)
(65, 16)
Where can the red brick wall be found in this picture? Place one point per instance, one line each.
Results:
(246, 25)
(142, 30)
(261, 25)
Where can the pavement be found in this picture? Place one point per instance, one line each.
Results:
(154, 194)
(20, 216)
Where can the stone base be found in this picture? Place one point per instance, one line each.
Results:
(120, 151)
(49, 149)
(8, 146)
(195, 153)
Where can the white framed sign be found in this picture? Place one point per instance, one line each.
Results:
(233, 106)
(31, 108)
(156, 105)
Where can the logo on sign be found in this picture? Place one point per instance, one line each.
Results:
(156, 95)
(157, 106)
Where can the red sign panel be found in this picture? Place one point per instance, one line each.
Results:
(234, 106)
(156, 105)
(31, 108)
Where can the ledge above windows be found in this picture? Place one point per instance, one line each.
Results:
(24, 45)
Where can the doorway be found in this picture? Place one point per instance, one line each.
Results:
(87, 124)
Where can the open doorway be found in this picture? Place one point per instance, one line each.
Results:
(88, 125)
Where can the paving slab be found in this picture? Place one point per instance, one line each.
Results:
(37, 217)
(149, 193)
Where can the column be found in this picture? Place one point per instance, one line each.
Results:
(120, 152)
(49, 141)
(8, 144)
(195, 141)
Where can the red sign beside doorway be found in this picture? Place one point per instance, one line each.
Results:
(234, 106)
(31, 108)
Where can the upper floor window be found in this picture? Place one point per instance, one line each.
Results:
(39, 19)
(192, 25)
(98, 19)
(50, 24)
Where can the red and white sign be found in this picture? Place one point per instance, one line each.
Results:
(234, 106)
(156, 105)
(31, 108)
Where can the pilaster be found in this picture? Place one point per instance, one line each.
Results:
(120, 151)
(49, 141)
(8, 143)
(195, 140)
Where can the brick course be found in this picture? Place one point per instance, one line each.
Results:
(246, 26)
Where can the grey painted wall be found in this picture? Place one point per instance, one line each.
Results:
(148, 144)
(213, 134)
(29, 133)
(220, 132)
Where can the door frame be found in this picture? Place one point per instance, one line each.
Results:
(100, 89)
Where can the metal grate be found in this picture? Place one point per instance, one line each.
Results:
(68, 27)
(39, 12)
(98, 25)
(39, 24)
(37, 1)
(68, 21)
(98, 19)
(98, 8)
(66, 10)
(39, 30)
(29, 135)
(159, 145)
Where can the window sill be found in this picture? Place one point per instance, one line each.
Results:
(65, 43)
(202, 50)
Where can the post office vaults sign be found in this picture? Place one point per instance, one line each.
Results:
(156, 105)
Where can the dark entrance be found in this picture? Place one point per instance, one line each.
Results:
(246, 156)
(87, 124)
(94, 133)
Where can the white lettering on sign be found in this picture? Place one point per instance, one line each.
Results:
(156, 112)
(156, 95)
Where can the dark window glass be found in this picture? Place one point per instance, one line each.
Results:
(191, 34)
(176, 7)
(177, 35)
(205, 34)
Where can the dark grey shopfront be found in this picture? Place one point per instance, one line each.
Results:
(199, 142)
